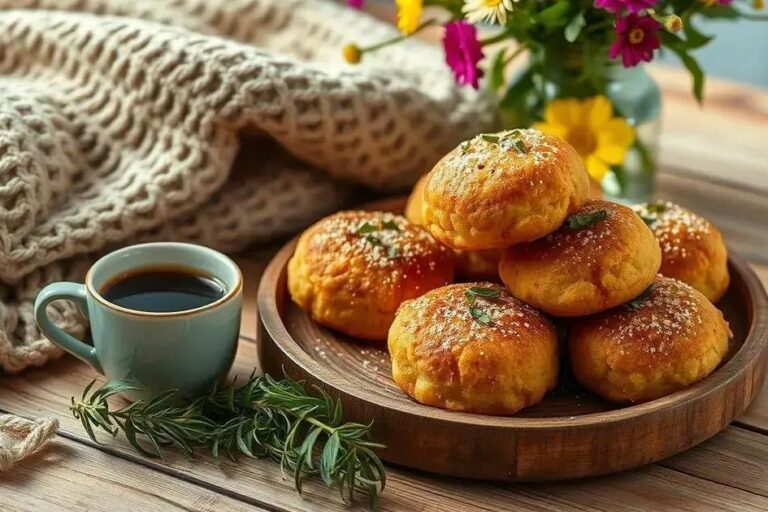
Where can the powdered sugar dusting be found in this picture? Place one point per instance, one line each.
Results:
(473, 155)
(445, 321)
(672, 225)
(389, 249)
(669, 311)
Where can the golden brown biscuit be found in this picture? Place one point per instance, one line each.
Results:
(692, 249)
(352, 270)
(663, 341)
(470, 265)
(578, 271)
(458, 350)
(501, 189)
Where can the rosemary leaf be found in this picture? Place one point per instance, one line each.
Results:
(265, 417)
(581, 221)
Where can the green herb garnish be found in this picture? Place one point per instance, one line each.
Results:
(584, 220)
(649, 221)
(366, 230)
(480, 315)
(478, 291)
(390, 225)
(520, 145)
(494, 139)
(656, 208)
(265, 417)
(637, 301)
(464, 147)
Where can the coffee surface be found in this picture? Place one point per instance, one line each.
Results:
(162, 290)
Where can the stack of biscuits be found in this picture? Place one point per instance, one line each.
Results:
(511, 215)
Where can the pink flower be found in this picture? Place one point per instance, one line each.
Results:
(636, 39)
(355, 4)
(463, 52)
(633, 6)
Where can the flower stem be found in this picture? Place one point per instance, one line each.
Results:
(395, 40)
(501, 36)
(515, 54)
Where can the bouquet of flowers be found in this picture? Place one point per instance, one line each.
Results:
(578, 51)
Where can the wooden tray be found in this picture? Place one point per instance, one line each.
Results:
(570, 434)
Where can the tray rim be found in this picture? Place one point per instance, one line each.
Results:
(751, 351)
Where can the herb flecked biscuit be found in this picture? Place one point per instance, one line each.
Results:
(692, 249)
(497, 190)
(470, 265)
(352, 270)
(665, 340)
(601, 257)
(475, 348)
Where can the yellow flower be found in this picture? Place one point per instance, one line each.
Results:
(491, 11)
(409, 15)
(589, 125)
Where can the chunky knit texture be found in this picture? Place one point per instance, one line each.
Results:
(120, 121)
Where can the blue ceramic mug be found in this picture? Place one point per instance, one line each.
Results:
(185, 350)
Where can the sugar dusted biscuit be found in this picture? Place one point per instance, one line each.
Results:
(665, 340)
(603, 256)
(501, 189)
(692, 249)
(352, 270)
(470, 265)
(488, 354)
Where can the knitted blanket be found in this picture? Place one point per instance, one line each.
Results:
(121, 121)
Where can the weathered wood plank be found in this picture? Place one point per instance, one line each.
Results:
(736, 457)
(47, 391)
(69, 476)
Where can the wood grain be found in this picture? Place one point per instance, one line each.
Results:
(69, 476)
(255, 482)
(568, 435)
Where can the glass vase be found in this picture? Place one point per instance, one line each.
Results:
(638, 99)
(634, 94)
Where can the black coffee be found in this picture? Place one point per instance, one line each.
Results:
(163, 290)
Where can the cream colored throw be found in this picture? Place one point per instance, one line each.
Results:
(120, 121)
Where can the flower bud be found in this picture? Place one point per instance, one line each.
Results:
(352, 53)
(673, 23)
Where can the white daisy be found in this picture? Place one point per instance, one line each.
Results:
(491, 11)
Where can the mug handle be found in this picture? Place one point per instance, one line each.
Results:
(65, 291)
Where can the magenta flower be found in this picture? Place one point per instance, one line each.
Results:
(355, 4)
(463, 52)
(636, 39)
(633, 6)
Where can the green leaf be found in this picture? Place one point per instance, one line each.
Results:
(635, 303)
(329, 457)
(487, 137)
(693, 38)
(555, 14)
(720, 11)
(496, 75)
(480, 315)
(581, 221)
(480, 291)
(390, 225)
(366, 228)
(697, 74)
(657, 207)
(573, 29)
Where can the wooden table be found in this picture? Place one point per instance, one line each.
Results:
(715, 160)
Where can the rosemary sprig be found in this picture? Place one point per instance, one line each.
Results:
(264, 417)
